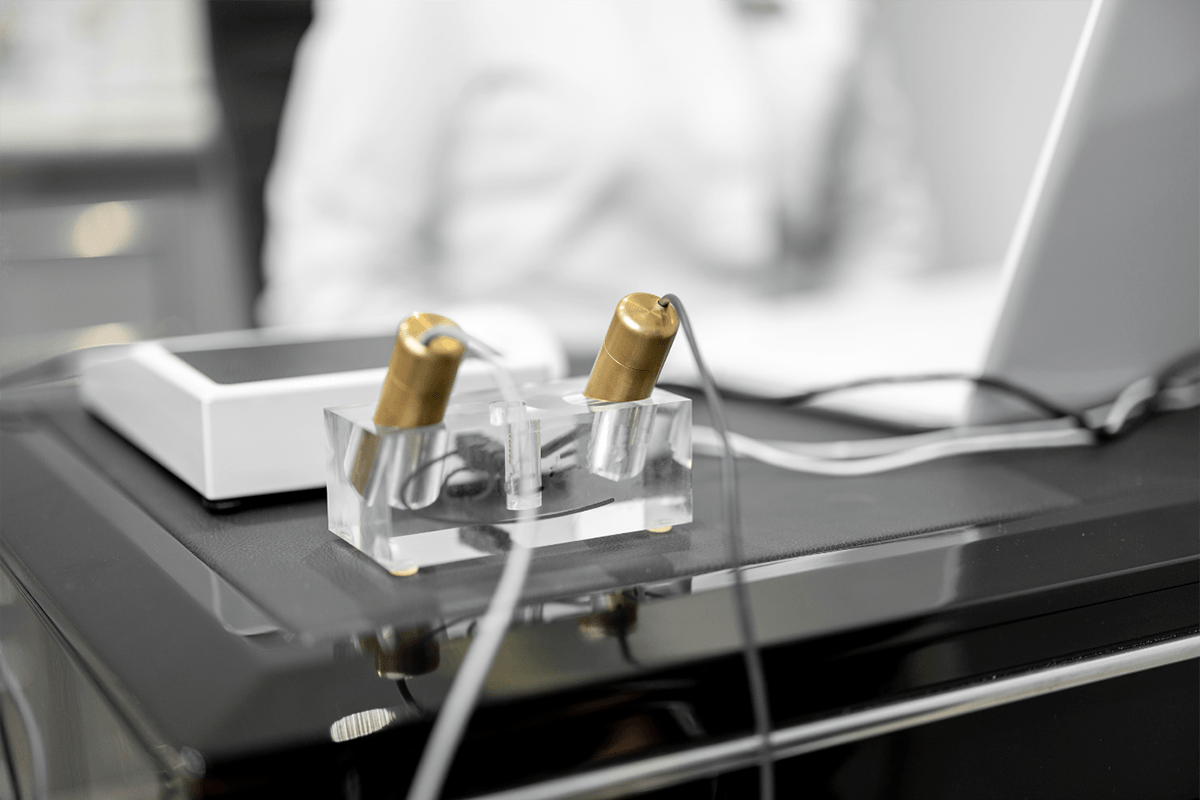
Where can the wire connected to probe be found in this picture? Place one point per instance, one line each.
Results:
(745, 614)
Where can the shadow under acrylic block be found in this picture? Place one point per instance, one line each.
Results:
(576, 468)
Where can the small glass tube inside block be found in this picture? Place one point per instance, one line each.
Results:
(579, 468)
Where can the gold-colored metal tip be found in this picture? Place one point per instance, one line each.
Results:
(634, 350)
(415, 391)
(420, 377)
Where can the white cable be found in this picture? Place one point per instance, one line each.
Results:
(862, 448)
(456, 711)
(1176, 398)
(873, 456)
(479, 350)
(706, 442)
(1130, 399)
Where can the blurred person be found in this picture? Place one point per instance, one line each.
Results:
(560, 155)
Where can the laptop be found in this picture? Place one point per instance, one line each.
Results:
(1101, 282)
(1103, 277)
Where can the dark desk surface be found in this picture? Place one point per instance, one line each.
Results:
(232, 632)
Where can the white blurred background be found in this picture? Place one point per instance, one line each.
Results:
(135, 136)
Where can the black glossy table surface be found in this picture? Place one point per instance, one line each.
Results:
(246, 633)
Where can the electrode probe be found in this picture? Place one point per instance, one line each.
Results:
(417, 387)
(634, 350)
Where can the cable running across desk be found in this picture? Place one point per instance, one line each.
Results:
(1174, 388)
(1000, 385)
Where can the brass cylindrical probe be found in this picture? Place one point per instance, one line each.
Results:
(627, 367)
(419, 377)
(417, 387)
(634, 350)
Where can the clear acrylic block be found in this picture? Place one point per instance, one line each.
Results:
(583, 468)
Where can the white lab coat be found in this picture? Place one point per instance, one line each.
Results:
(559, 155)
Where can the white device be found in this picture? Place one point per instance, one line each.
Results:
(241, 414)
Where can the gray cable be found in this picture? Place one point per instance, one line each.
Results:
(745, 614)
(37, 748)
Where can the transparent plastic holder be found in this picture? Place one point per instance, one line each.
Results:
(580, 469)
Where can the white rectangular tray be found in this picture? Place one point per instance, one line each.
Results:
(238, 435)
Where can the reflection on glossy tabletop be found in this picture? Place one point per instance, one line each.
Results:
(255, 646)
(90, 750)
